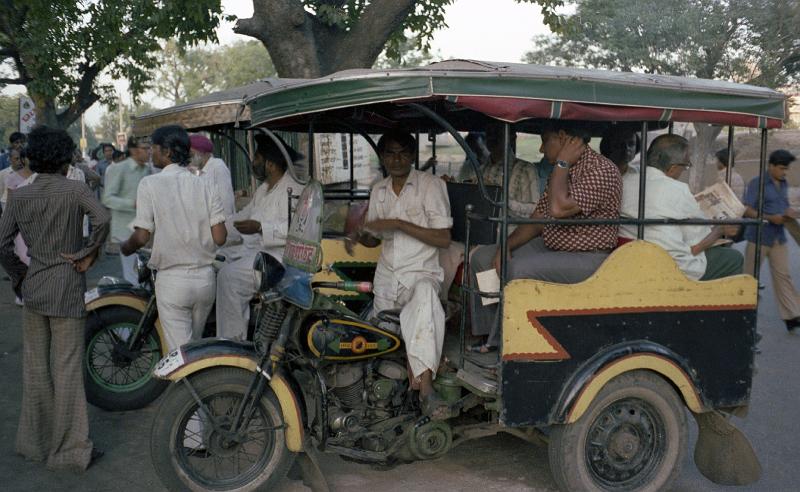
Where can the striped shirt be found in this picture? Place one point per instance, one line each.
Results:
(48, 214)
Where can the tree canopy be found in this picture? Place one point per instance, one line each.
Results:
(184, 75)
(311, 38)
(753, 41)
(59, 49)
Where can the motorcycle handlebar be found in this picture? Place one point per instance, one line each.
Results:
(349, 286)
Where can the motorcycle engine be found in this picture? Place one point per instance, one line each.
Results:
(362, 393)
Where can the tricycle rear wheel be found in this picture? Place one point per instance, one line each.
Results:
(633, 437)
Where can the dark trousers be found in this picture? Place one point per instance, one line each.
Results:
(722, 262)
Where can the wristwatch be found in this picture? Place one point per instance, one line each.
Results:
(562, 164)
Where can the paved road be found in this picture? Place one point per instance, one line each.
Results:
(490, 464)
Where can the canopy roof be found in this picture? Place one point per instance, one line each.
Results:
(216, 109)
(465, 91)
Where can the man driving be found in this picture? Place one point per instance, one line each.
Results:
(409, 214)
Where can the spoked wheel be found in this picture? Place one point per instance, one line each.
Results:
(117, 378)
(197, 451)
(632, 437)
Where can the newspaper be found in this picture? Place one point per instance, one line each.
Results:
(719, 202)
(488, 281)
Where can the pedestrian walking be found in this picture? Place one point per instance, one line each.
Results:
(48, 213)
(17, 141)
(773, 238)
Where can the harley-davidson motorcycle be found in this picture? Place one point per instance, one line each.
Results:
(316, 376)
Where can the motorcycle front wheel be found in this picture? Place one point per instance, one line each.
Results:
(189, 452)
(115, 378)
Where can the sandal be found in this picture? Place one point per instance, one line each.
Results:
(434, 407)
(482, 348)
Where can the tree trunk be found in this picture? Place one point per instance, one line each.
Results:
(301, 46)
(701, 147)
(45, 110)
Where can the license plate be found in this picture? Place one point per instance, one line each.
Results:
(91, 295)
(169, 364)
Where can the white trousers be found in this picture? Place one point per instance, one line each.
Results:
(184, 297)
(128, 268)
(236, 285)
(421, 322)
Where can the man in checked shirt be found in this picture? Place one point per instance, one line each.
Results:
(583, 185)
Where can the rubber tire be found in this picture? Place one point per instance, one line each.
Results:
(102, 397)
(176, 403)
(566, 449)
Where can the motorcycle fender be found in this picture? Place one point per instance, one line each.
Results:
(130, 301)
(197, 356)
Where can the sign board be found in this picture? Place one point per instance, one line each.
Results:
(332, 158)
(27, 114)
(122, 140)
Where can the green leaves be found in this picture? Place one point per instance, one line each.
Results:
(65, 45)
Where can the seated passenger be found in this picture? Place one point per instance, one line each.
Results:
(692, 246)
(620, 145)
(524, 192)
(410, 213)
(263, 225)
(583, 185)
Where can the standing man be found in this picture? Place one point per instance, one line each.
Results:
(263, 224)
(119, 195)
(186, 216)
(53, 425)
(17, 141)
(213, 169)
(773, 238)
(105, 161)
(409, 212)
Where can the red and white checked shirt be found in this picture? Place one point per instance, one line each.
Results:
(595, 184)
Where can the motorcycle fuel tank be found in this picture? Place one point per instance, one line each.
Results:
(342, 339)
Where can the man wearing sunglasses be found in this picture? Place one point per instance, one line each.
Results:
(691, 246)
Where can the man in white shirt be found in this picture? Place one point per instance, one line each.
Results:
(409, 213)
(691, 246)
(263, 224)
(185, 215)
(213, 169)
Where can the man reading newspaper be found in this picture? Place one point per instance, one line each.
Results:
(695, 248)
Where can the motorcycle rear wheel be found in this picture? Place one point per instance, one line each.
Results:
(188, 453)
(113, 382)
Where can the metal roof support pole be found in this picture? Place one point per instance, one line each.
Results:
(729, 169)
(642, 180)
(432, 140)
(466, 282)
(416, 153)
(311, 149)
(352, 163)
(762, 169)
(504, 220)
(671, 127)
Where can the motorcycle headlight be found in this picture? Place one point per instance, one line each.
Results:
(268, 271)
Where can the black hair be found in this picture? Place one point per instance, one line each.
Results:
(573, 128)
(104, 145)
(49, 150)
(722, 156)
(17, 137)
(781, 157)
(117, 154)
(268, 149)
(175, 139)
(614, 140)
(403, 138)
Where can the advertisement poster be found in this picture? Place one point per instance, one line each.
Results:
(27, 115)
(332, 158)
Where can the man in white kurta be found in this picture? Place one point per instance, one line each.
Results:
(214, 170)
(410, 213)
(184, 214)
(263, 225)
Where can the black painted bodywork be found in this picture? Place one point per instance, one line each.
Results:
(714, 348)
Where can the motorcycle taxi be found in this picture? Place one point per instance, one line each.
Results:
(602, 371)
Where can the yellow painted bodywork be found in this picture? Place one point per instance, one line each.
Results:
(290, 407)
(333, 251)
(132, 302)
(636, 277)
(655, 363)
